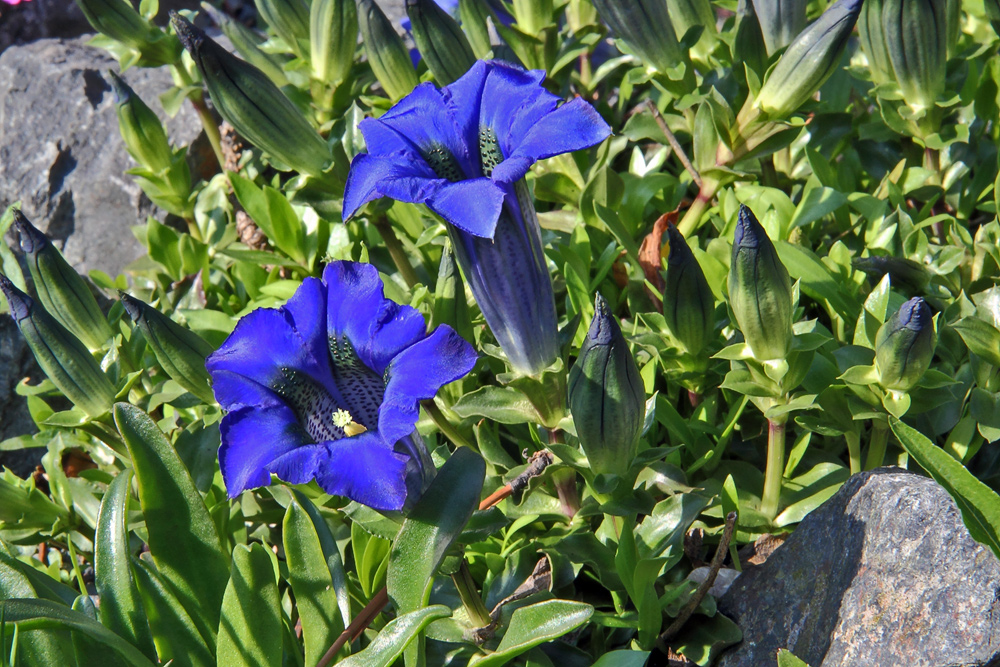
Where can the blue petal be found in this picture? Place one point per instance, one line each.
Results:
(400, 175)
(398, 327)
(234, 391)
(362, 468)
(251, 439)
(473, 206)
(571, 127)
(417, 373)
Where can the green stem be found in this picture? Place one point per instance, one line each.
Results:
(854, 451)
(396, 251)
(76, 564)
(775, 468)
(445, 426)
(197, 99)
(877, 445)
(692, 217)
(565, 482)
(473, 604)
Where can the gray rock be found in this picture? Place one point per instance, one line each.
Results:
(884, 574)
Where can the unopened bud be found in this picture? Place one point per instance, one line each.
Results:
(442, 44)
(387, 54)
(688, 303)
(645, 26)
(333, 26)
(140, 128)
(905, 345)
(289, 19)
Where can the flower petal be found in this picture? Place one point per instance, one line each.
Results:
(251, 439)
(473, 206)
(417, 373)
(362, 468)
(234, 391)
(402, 175)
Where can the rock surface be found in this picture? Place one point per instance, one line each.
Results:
(884, 574)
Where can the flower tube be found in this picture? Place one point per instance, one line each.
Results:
(327, 387)
(463, 151)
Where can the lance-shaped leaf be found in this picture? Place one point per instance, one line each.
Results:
(393, 639)
(250, 629)
(781, 21)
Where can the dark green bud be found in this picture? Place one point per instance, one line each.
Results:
(872, 39)
(62, 291)
(333, 26)
(904, 346)
(781, 21)
(180, 352)
(474, 15)
(289, 19)
(442, 44)
(916, 37)
(809, 60)
(645, 26)
(387, 54)
(760, 291)
(606, 395)
(247, 43)
(906, 275)
(688, 303)
(140, 128)
(118, 20)
(60, 354)
(450, 304)
(253, 105)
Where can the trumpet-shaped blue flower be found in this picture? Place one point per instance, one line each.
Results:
(327, 388)
(463, 150)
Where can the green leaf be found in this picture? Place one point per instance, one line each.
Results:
(435, 522)
(121, 606)
(980, 505)
(816, 281)
(310, 568)
(395, 637)
(534, 625)
(45, 614)
(622, 659)
(183, 539)
(501, 404)
(982, 338)
(787, 659)
(250, 630)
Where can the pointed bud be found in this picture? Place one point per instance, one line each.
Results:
(180, 352)
(781, 21)
(606, 395)
(140, 128)
(61, 290)
(118, 20)
(906, 275)
(904, 346)
(62, 357)
(760, 291)
(872, 39)
(809, 60)
(450, 304)
(387, 54)
(916, 37)
(532, 16)
(253, 105)
(644, 25)
(333, 26)
(442, 44)
(688, 303)
(247, 43)
(289, 19)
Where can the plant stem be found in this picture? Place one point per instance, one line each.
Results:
(207, 119)
(395, 248)
(76, 564)
(854, 451)
(357, 626)
(775, 468)
(877, 445)
(473, 604)
(445, 426)
(565, 482)
(692, 217)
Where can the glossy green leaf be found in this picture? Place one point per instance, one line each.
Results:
(183, 539)
(35, 614)
(622, 659)
(981, 337)
(250, 629)
(42, 648)
(395, 637)
(505, 405)
(534, 625)
(121, 607)
(980, 505)
(787, 659)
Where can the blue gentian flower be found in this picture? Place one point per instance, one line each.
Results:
(327, 388)
(463, 151)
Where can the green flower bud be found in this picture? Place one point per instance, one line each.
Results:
(289, 19)
(60, 354)
(253, 105)
(916, 37)
(904, 346)
(140, 128)
(688, 303)
(474, 14)
(62, 291)
(442, 44)
(118, 20)
(760, 291)
(906, 275)
(809, 60)
(247, 43)
(180, 352)
(781, 21)
(333, 26)
(532, 16)
(450, 304)
(872, 39)
(644, 25)
(606, 395)
(387, 54)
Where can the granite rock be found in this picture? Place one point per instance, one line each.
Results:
(884, 574)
